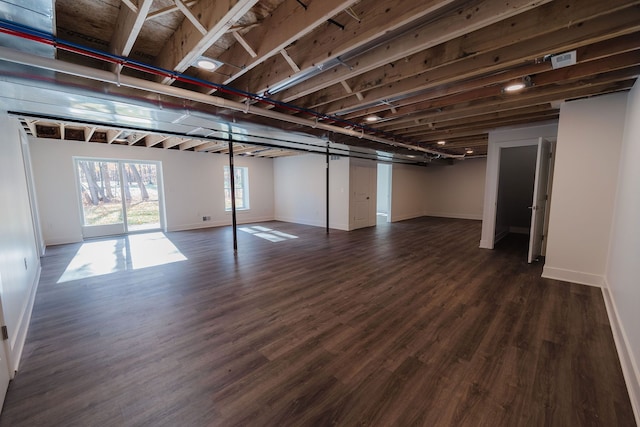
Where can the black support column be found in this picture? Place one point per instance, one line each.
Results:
(232, 179)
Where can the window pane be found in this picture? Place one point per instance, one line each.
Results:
(100, 192)
(241, 188)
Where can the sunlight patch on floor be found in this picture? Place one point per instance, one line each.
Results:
(267, 233)
(100, 257)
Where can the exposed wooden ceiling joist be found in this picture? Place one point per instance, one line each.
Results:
(474, 15)
(452, 62)
(128, 27)
(187, 43)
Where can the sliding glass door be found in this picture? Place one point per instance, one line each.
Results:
(118, 197)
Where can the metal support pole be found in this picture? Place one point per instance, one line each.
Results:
(327, 189)
(232, 179)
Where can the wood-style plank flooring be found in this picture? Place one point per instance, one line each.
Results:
(402, 324)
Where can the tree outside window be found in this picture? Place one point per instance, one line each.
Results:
(242, 188)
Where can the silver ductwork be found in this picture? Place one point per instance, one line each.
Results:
(36, 14)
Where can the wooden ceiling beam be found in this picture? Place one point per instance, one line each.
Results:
(474, 15)
(620, 23)
(88, 132)
(590, 52)
(128, 27)
(566, 75)
(326, 43)
(606, 84)
(491, 116)
(154, 139)
(286, 24)
(187, 43)
(167, 10)
(190, 16)
(112, 134)
(172, 141)
(556, 16)
(192, 143)
(474, 128)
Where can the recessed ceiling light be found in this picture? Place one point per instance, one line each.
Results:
(207, 63)
(469, 151)
(442, 142)
(514, 87)
(372, 119)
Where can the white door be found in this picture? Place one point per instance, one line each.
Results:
(361, 196)
(4, 362)
(539, 199)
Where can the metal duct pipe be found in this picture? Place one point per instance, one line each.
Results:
(36, 14)
(17, 57)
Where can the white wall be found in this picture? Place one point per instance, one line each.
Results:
(19, 256)
(623, 269)
(300, 190)
(193, 186)
(407, 191)
(584, 188)
(455, 191)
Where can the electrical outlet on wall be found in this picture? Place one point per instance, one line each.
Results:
(206, 218)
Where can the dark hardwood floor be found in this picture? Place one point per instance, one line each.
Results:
(402, 324)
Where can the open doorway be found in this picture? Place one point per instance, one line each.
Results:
(383, 201)
(517, 196)
(515, 191)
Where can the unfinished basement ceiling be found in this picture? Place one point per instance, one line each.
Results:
(397, 76)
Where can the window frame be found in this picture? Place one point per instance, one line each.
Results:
(243, 186)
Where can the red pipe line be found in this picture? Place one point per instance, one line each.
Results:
(179, 77)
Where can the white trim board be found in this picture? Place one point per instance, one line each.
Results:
(578, 277)
(17, 344)
(629, 369)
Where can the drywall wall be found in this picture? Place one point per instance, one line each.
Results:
(515, 189)
(193, 186)
(623, 269)
(300, 190)
(407, 191)
(19, 255)
(584, 187)
(455, 191)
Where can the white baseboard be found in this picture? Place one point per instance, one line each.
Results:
(573, 276)
(627, 361)
(332, 225)
(455, 215)
(486, 244)
(17, 343)
(396, 218)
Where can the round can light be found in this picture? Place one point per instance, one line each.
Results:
(442, 142)
(513, 87)
(372, 119)
(469, 151)
(206, 64)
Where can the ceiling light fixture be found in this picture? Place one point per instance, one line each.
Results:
(516, 85)
(372, 119)
(469, 151)
(207, 63)
(442, 142)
